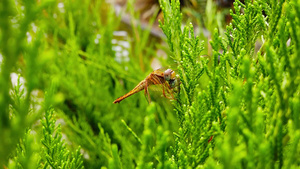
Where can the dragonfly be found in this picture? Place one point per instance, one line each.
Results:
(167, 80)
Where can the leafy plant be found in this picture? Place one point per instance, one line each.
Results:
(241, 118)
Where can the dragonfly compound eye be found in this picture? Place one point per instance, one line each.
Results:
(169, 74)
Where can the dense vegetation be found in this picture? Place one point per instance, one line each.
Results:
(238, 106)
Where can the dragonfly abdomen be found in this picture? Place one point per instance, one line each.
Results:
(136, 89)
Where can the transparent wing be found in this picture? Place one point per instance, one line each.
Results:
(161, 86)
(173, 67)
(162, 90)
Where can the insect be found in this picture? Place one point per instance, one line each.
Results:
(167, 80)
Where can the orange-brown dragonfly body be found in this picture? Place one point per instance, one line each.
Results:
(167, 79)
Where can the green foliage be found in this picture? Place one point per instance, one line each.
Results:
(248, 105)
(50, 151)
(55, 151)
(238, 105)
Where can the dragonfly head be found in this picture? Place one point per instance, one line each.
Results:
(169, 74)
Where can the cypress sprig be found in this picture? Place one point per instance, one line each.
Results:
(55, 150)
(257, 88)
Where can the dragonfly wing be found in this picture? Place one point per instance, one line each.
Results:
(161, 86)
(161, 90)
(147, 95)
(173, 67)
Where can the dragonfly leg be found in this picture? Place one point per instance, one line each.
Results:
(168, 91)
(172, 96)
